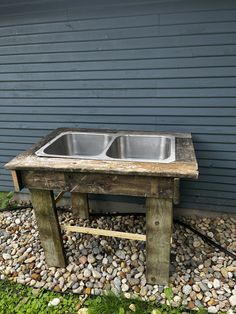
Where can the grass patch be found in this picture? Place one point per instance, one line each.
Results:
(20, 299)
(5, 199)
(111, 304)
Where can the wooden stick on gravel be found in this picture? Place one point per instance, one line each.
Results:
(106, 233)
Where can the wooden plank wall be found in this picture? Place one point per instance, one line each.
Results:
(135, 65)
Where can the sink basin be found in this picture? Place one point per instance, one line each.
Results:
(72, 144)
(111, 146)
(142, 148)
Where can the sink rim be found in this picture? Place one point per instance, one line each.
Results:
(103, 155)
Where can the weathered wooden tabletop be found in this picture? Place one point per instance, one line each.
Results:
(185, 165)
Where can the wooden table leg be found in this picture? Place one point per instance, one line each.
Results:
(79, 204)
(49, 228)
(159, 229)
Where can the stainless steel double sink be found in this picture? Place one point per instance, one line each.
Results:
(111, 146)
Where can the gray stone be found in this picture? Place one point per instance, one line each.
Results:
(203, 287)
(140, 269)
(89, 284)
(207, 263)
(134, 256)
(187, 289)
(138, 275)
(96, 251)
(120, 254)
(142, 257)
(99, 257)
(91, 259)
(217, 274)
(96, 274)
(196, 243)
(5, 235)
(117, 282)
(161, 288)
(87, 273)
(103, 242)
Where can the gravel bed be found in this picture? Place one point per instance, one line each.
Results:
(200, 275)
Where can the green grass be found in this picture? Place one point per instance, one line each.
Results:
(19, 299)
(111, 304)
(5, 199)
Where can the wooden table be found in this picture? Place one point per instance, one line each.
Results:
(158, 182)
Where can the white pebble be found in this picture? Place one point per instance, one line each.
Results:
(138, 275)
(232, 300)
(216, 283)
(54, 302)
(114, 263)
(212, 309)
(105, 261)
(124, 287)
(70, 267)
(83, 310)
(177, 299)
(209, 284)
(87, 273)
(96, 274)
(6, 256)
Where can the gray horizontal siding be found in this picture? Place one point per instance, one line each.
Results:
(140, 65)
